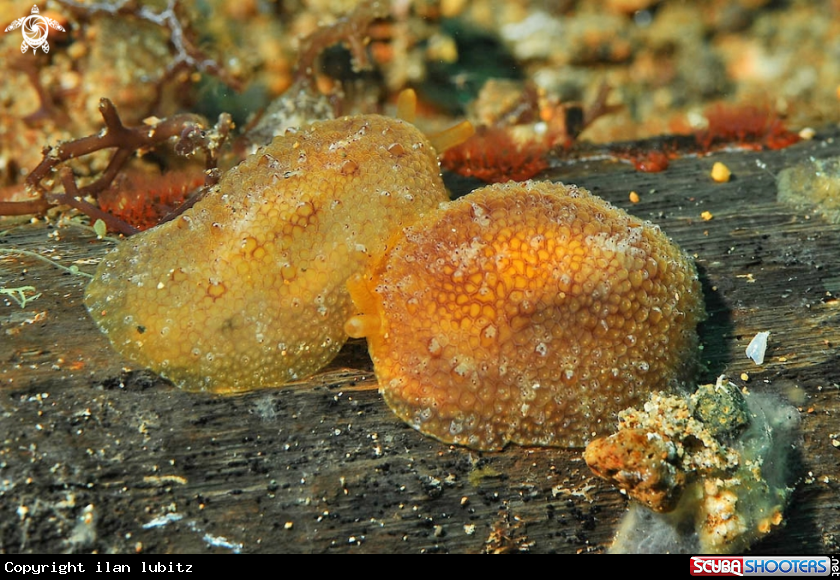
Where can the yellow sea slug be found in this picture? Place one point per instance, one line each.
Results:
(528, 313)
(247, 288)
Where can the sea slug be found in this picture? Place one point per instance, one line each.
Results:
(528, 313)
(247, 288)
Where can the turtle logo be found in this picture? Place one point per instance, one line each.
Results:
(35, 30)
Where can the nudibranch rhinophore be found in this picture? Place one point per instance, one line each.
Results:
(247, 288)
(529, 313)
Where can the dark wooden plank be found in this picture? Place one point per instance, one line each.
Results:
(98, 455)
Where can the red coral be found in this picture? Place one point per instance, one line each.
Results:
(493, 155)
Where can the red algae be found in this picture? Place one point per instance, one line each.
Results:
(729, 126)
(143, 199)
(746, 126)
(494, 155)
(652, 161)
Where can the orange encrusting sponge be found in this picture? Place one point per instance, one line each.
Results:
(528, 313)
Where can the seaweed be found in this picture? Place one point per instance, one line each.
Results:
(190, 133)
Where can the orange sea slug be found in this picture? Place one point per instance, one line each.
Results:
(247, 288)
(528, 313)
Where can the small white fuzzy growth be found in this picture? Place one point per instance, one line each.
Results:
(757, 346)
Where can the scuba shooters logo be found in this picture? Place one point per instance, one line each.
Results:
(715, 566)
(35, 29)
(762, 566)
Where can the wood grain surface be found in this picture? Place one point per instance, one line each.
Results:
(97, 455)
